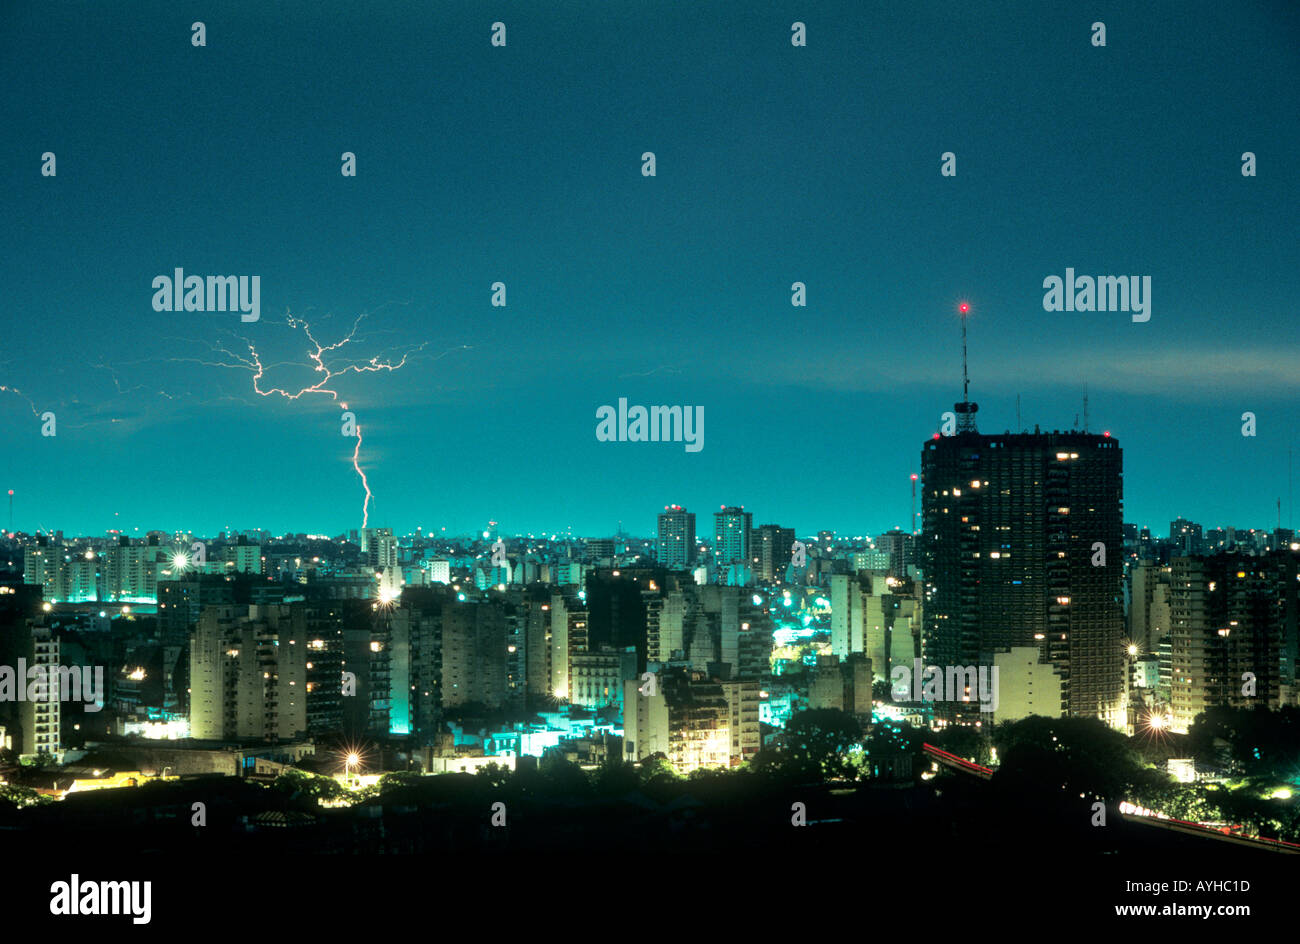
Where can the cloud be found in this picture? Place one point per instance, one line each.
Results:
(1204, 374)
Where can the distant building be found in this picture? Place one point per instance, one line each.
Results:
(1232, 642)
(598, 677)
(770, 551)
(731, 533)
(676, 537)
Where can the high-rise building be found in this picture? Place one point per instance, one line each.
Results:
(43, 565)
(1186, 536)
(731, 533)
(846, 615)
(474, 655)
(1022, 546)
(901, 548)
(324, 640)
(1232, 639)
(243, 557)
(1148, 606)
(676, 540)
(248, 673)
(770, 551)
(568, 637)
(379, 553)
(33, 710)
(131, 574)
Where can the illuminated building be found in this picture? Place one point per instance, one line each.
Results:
(1011, 526)
(1026, 685)
(865, 562)
(379, 553)
(731, 533)
(28, 642)
(1232, 614)
(699, 723)
(131, 571)
(598, 677)
(846, 614)
(1148, 609)
(676, 537)
(770, 546)
(243, 557)
(901, 548)
(666, 618)
(1186, 536)
(43, 564)
(248, 673)
(845, 686)
(742, 697)
(568, 636)
(645, 722)
(695, 721)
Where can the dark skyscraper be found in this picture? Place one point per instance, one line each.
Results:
(1021, 547)
(769, 547)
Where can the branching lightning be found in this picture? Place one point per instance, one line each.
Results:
(16, 392)
(321, 359)
(328, 364)
(356, 464)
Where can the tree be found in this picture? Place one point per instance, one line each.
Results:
(21, 796)
(496, 775)
(1044, 756)
(965, 741)
(657, 769)
(816, 743)
(315, 787)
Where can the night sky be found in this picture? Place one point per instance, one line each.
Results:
(522, 164)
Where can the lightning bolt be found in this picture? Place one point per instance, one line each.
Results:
(365, 507)
(16, 392)
(322, 359)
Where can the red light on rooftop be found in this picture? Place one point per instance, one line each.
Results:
(914, 476)
(936, 435)
(963, 308)
(1106, 434)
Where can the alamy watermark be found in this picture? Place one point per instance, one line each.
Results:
(1104, 293)
(77, 897)
(181, 292)
(963, 683)
(53, 683)
(651, 424)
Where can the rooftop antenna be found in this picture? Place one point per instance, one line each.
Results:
(965, 410)
(1019, 427)
(1085, 407)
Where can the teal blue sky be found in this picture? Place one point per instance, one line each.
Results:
(522, 164)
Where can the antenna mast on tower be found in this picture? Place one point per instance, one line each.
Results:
(965, 410)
